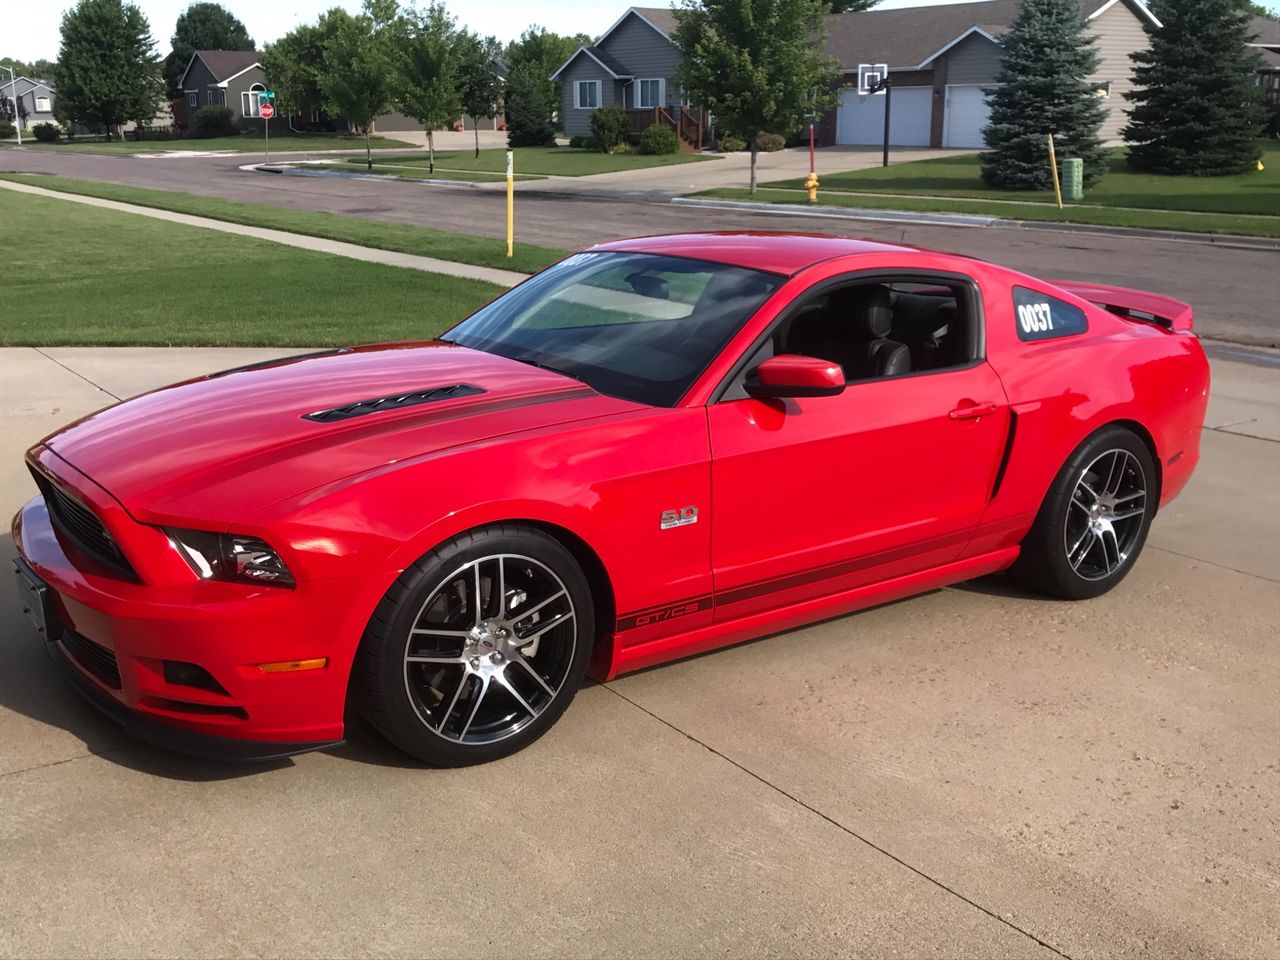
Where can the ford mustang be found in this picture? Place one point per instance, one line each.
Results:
(653, 448)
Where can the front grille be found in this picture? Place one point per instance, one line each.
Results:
(98, 660)
(83, 528)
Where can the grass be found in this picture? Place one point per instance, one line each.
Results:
(244, 143)
(389, 168)
(548, 161)
(1256, 193)
(1099, 216)
(89, 276)
(424, 241)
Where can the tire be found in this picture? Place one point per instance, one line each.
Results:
(454, 680)
(1094, 522)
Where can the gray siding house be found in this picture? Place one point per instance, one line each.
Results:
(944, 59)
(632, 64)
(224, 78)
(36, 95)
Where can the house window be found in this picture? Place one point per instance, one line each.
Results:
(250, 100)
(193, 98)
(42, 105)
(217, 97)
(587, 94)
(650, 93)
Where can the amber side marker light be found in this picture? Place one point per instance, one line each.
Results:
(290, 666)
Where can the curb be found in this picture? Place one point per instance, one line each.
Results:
(1223, 240)
(847, 213)
(342, 175)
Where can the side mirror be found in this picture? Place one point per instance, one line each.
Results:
(791, 375)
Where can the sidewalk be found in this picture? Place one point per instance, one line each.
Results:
(506, 278)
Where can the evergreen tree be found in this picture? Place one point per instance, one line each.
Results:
(530, 113)
(1044, 87)
(202, 26)
(1196, 108)
(107, 71)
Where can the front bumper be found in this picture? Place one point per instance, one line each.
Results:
(117, 641)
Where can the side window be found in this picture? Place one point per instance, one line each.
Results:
(1042, 317)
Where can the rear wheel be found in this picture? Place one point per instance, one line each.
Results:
(479, 647)
(1094, 522)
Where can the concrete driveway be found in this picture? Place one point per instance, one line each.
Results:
(975, 772)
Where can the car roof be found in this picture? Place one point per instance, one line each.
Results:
(784, 253)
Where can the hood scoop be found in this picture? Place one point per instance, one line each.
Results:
(397, 402)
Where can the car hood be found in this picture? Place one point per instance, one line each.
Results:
(221, 446)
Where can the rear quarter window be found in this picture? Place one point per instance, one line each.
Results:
(1039, 316)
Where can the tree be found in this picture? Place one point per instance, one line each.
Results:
(479, 86)
(756, 64)
(295, 64)
(40, 69)
(530, 112)
(545, 51)
(1044, 87)
(850, 6)
(202, 26)
(356, 76)
(426, 57)
(107, 71)
(13, 109)
(1196, 108)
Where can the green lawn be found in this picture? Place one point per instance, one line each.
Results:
(549, 161)
(87, 276)
(1039, 212)
(392, 167)
(244, 143)
(425, 241)
(1246, 193)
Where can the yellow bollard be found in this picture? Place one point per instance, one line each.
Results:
(511, 200)
(811, 184)
(1053, 162)
(1260, 166)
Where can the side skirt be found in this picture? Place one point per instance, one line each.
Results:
(798, 614)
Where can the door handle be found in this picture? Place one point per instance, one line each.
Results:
(969, 409)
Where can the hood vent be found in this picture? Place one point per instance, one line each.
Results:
(398, 402)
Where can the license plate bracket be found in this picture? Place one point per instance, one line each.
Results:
(35, 598)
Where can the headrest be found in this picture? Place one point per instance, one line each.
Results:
(865, 310)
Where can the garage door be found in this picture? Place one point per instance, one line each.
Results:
(967, 114)
(860, 120)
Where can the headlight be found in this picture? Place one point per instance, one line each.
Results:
(227, 556)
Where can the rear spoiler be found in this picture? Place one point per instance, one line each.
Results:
(1133, 304)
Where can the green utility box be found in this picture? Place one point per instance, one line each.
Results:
(1073, 179)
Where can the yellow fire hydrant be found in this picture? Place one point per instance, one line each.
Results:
(811, 184)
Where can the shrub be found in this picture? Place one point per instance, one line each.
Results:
(7, 130)
(46, 132)
(579, 142)
(728, 143)
(213, 122)
(659, 138)
(770, 142)
(609, 127)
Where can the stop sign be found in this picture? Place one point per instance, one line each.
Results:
(266, 111)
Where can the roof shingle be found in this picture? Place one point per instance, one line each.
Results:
(227, 63)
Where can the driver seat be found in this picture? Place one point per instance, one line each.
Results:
(861, 319)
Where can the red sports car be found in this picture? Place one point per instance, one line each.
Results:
(651, 449)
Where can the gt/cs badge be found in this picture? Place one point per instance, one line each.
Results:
(679, 518)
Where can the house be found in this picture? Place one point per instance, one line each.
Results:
(1265, 41)
(35, 95)
(223, 78)
(941, 59)
(633, 64)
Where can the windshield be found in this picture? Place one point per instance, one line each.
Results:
(631, 325)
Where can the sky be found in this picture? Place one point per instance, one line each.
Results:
(36, 30)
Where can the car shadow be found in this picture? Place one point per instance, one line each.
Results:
(31, 687)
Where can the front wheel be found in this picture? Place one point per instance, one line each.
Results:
(479, 647)
(1094, 522)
